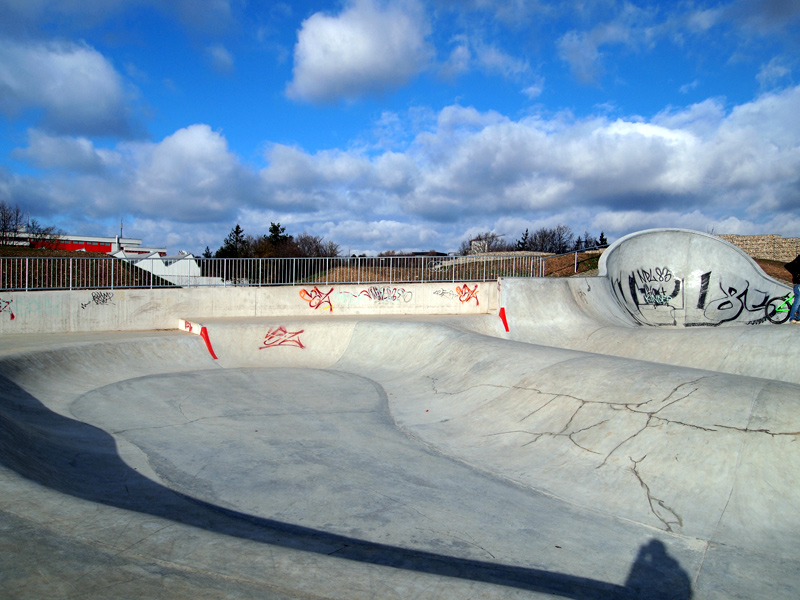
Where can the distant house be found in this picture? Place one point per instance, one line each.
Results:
(181, 269)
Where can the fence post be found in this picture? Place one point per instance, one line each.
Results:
(27, 269)
(70, 274)
(576, 262)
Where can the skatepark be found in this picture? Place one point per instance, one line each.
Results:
(629, 435)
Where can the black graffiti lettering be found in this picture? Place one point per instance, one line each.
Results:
(705, 279)
(733, 303)
(99, 299)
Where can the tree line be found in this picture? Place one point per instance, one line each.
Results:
(16, 228)
(555, 240)
(275, 244)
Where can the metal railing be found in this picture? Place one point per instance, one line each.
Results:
(76, 273)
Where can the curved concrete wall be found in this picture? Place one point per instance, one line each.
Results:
(688, 278)
(144, 309)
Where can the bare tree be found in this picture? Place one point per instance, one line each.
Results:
(315, 246)
(484, 242)
(557, 240)
(40, 236)
(11, 222)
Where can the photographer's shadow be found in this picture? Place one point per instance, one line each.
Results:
(655, 575)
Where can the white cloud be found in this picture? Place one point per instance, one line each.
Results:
(474, 53)
(62, 152)
(582, 55)
(459, 60)
(772, 73)
(630, 28)
(188, 176)
(367, 49)
(221, 59)
(493, 60)
(696, 167)
(535, 89)
(78, 90)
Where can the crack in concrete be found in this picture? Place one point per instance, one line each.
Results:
(653, 501)
(563, 433)
(651, 415)
(764, 431)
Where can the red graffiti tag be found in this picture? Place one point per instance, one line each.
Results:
(465, 294)
(187, 326)
(281, 337)
(317, 299)
(5, 306)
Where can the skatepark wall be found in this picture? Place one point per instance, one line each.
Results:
(678, 277)
(145, 309)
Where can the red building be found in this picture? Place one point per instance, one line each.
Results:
(89, 243)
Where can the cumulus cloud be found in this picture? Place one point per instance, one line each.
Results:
(77, 89)
(64, 152)
(369, 48)
(188, 176)
(466, 170)
(484, 165)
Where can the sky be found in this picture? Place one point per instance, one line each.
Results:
(404, 125)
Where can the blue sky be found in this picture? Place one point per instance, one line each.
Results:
(400, 124)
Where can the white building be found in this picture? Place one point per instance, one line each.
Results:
(181, 269)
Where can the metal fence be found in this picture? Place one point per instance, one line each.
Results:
(56, 273)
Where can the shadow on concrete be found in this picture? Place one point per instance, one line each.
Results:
(78, 459)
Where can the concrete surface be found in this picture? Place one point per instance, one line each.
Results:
(73, 311)
(585, 453)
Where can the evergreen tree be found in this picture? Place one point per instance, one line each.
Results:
(277, 235)
(524, 242)
(235, 245)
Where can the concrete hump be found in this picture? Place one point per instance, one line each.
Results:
(272, 342)
(686, 278)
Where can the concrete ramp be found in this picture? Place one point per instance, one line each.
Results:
(608, 445)
(686, 278)
(668, 296)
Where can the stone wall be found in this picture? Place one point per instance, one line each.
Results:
(770, 247)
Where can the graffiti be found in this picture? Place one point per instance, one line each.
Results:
(388, 294)
(465, 294)
(187, 326)
(99, 299)
(735, 299)
(446, 293)
(705, 279)
(714, 300)
(651, 286)
(317, 299)
(281, 337)
(5, 307)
